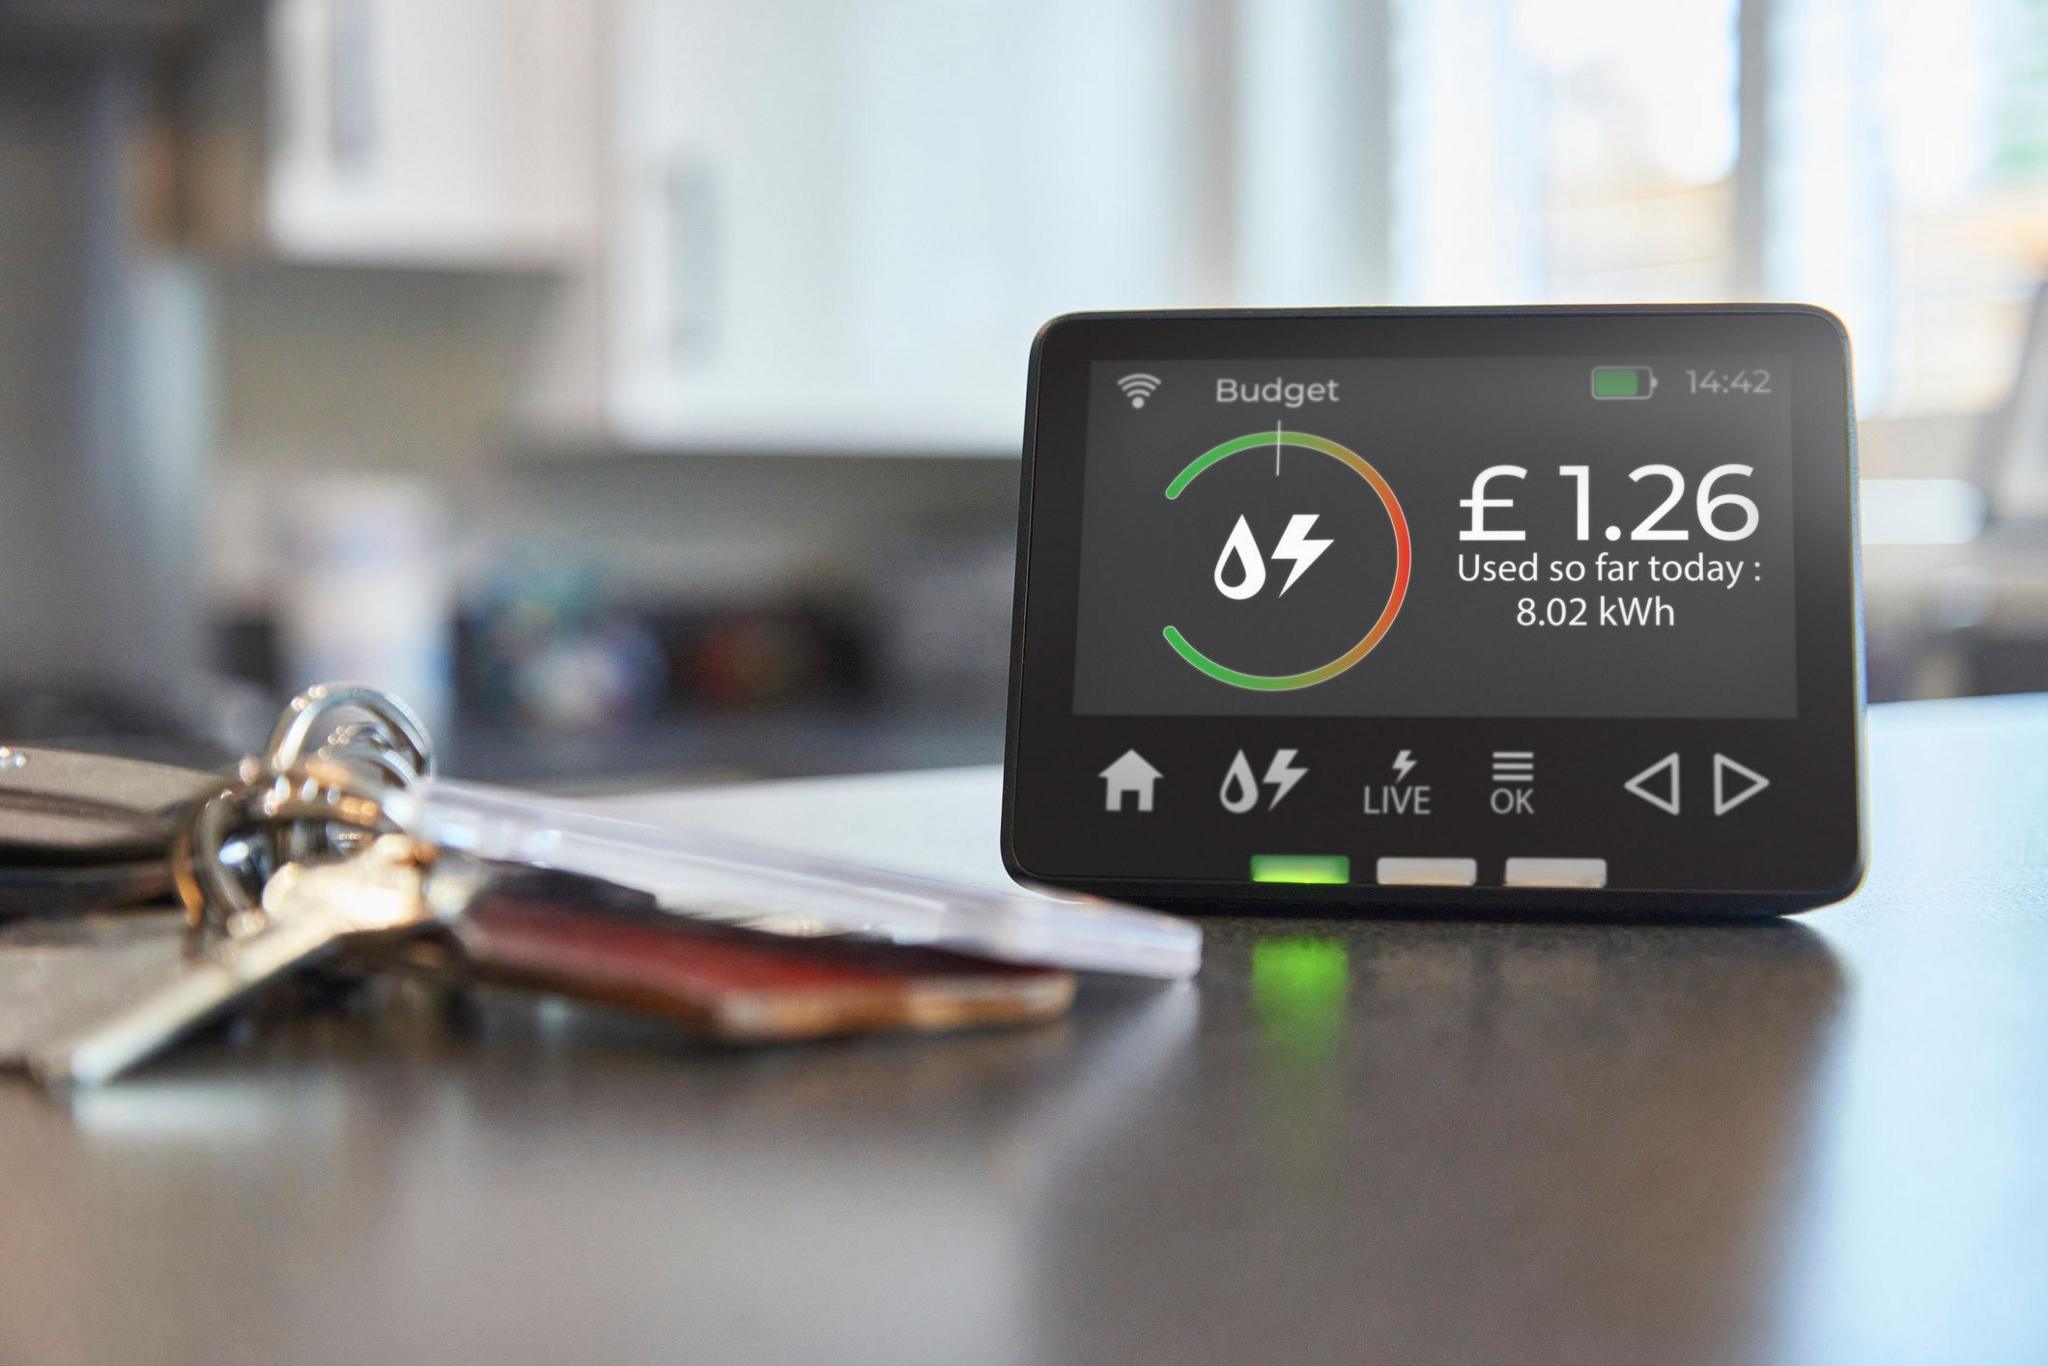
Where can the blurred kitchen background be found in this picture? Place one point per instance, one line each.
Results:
(637, 385)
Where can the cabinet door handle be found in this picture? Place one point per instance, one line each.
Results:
(691, 244)
(351, 84)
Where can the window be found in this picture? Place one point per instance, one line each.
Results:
(1909, 151)
(1564, 151)
(1581, 150)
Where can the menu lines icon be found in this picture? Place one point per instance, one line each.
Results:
(1514, 766)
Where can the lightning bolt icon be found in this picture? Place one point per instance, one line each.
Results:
(1295, 545)
(1283, 773)
(1403, 766)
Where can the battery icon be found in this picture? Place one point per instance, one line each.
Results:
(1623, 381)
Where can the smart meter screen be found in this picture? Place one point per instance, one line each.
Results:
(1566, 535)
(1550, 609)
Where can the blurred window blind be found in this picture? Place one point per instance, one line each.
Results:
(1583, 150)
(1563, 150)
(1909, 185)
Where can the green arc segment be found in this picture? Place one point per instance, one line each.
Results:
(1237, 678)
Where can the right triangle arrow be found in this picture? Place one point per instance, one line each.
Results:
(1724, 802)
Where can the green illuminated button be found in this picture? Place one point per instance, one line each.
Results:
(1623, 381)
(1320, 868)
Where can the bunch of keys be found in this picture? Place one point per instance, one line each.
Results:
(338, 843)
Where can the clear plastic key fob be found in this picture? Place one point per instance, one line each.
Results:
(712, 877)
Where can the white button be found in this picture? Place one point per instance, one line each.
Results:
(1427, 872)
(1556, 872)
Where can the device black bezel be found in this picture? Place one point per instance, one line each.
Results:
(1827, 731)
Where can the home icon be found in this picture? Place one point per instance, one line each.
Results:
(1129, 775)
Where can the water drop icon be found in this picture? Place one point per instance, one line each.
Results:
(1240, 791)
(1244, 548)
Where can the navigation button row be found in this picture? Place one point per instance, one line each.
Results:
(1131, 783)
(1659, 784)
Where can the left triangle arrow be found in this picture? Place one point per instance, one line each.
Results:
(1667, 800)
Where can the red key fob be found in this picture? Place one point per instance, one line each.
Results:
(583, 938)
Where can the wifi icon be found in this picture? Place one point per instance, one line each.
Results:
(1139, 387)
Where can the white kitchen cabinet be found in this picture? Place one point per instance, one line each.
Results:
(450, 133)
(837, 226)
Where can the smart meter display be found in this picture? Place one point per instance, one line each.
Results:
(1570, 535)
(1548, 609)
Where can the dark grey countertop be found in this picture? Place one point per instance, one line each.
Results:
(1816, 1141)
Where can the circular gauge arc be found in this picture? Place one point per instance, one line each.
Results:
(1322, 673)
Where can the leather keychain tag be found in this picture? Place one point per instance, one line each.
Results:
(580, 937)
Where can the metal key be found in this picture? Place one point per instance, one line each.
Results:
(354, 846)
(82, 832)
(392, 887)
(320, 786)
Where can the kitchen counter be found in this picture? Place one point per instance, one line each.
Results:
(1409, 1141)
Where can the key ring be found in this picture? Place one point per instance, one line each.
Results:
(394, 741)
(357, 784)
(392, 744)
